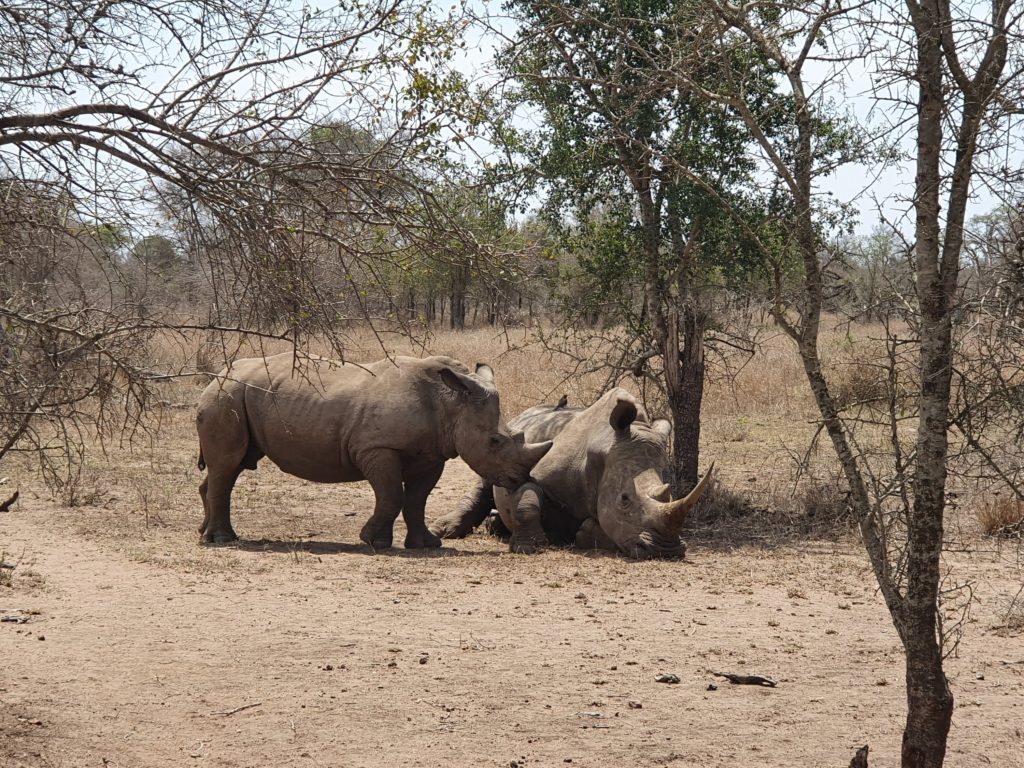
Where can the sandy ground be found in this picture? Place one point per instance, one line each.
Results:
(299, 647)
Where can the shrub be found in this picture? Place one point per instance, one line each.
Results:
(1001, 516)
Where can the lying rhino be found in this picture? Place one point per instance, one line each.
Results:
(393, 423)
(600, 486)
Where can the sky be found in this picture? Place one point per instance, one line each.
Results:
(881, 191)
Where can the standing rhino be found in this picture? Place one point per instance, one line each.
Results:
(600, 486)
(393, 423)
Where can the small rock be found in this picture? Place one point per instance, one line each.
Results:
(328, 667)
(667, 678)
(712, 687)
(423, 659)
(40, 637)
(979, 676)
(634, 704)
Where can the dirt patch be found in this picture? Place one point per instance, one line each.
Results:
(300, 647)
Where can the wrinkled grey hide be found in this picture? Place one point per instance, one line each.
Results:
(602, 484)
(393, 423)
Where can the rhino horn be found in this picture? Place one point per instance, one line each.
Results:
(676, 511)
(660, 493)
(535, 451)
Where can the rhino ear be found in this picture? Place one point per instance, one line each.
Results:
(623, 414)
(460, 383)
(485, 373)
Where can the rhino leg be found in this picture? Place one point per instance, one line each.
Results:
(592, 536)
(215, 491)
(382, 468)
(227, 449)
(526, 506)
(473, 510)
(419, 482)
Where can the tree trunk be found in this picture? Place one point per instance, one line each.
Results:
(929, 700)
(686, 400)
(410, 304)
(684, 368)
(459, 285)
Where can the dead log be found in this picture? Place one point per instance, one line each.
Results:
(746, 679)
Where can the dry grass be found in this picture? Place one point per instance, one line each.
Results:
(1001, 516)
(757, 422)
(775, 512)
(16, 571)
(1011, 614)
(526, 374)
(772, 383)
(857, 366)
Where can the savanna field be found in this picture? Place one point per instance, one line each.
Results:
(126, 643)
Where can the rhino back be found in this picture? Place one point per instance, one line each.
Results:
(571, 471)
(313, 417)
(543, 422)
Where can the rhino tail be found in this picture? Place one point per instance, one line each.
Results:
(202, 462)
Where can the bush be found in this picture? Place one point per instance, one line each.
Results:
(816, 508)
(1000, 516)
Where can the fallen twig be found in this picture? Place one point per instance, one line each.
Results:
(7, 504)
(746, 679)
(236, 710)
(175, 406)
(860, 760)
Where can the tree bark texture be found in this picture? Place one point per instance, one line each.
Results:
(686, 400)
(459, 286)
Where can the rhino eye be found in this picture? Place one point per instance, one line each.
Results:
(624, 498)
(495, 441)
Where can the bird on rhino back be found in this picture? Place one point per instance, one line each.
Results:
(393, 423)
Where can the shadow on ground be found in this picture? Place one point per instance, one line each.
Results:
(309, 546)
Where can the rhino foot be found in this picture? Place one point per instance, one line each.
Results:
(527, 545)
(449, 528)
(377, 538)
(219, 537)
(424, 540)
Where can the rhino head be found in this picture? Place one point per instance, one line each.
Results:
(634, 504)
(482, 438)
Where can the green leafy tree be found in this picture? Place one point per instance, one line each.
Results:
(645, 181)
